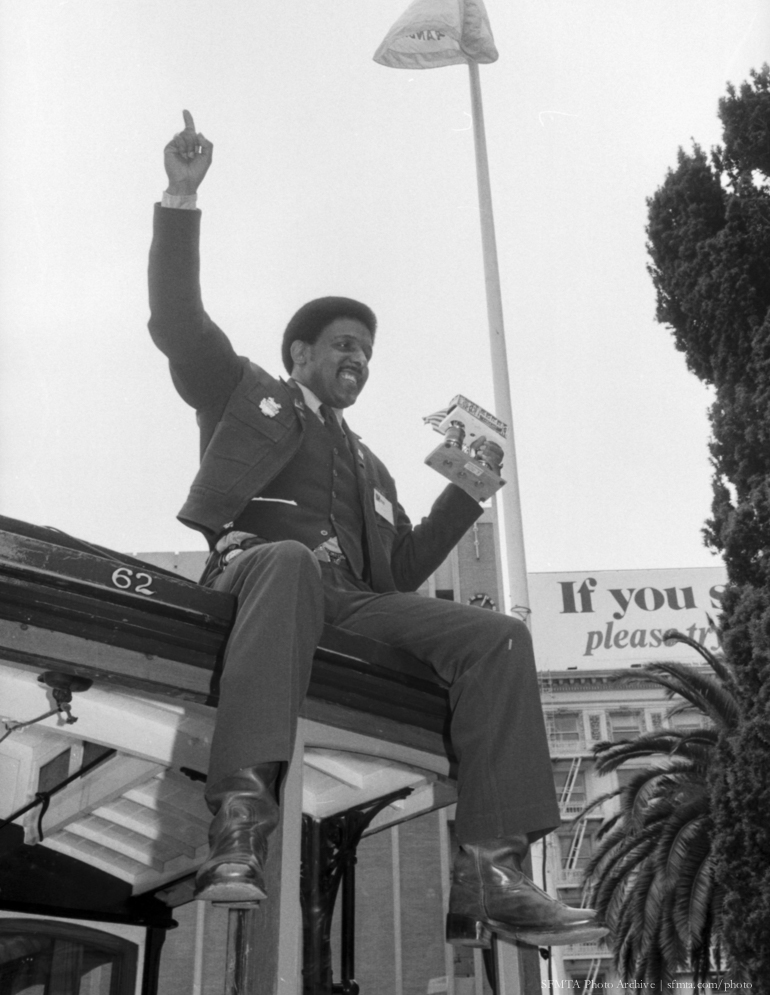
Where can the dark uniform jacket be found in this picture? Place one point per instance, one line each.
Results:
(251, 424)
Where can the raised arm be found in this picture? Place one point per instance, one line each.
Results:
(187, 158)
(204, 367)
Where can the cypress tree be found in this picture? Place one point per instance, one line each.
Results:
(709, 248)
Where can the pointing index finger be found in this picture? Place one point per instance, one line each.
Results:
(188, 120)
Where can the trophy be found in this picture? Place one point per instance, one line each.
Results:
(464, 457)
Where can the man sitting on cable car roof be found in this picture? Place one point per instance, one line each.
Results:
(305, 527)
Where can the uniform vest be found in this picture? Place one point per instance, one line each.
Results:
(314, 497)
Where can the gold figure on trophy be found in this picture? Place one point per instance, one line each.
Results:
(472, 451)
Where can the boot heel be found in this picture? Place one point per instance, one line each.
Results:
(467, 931)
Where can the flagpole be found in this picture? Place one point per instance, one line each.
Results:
(513, 537)
(517, 970)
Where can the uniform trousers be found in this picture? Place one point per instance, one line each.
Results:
(505, 781)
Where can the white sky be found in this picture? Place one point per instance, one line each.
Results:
(334, 175)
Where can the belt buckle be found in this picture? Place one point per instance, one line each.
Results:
(326, 555)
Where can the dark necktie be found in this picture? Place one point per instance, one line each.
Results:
(351, 542)
(332, 423)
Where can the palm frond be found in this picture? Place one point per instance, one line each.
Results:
(652, 873)
(705, 691)
(608, 796)
(718, 664)
(682, 840)
(701, 902)
(610, 756)
(673, 948)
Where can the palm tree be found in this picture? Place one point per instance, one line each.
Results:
(652, 877)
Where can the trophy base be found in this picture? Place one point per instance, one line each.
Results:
(459, 467)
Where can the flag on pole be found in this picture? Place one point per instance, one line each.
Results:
(433, 33)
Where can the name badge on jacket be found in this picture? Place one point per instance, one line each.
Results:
(383, 507)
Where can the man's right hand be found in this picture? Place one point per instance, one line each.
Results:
(187, 158)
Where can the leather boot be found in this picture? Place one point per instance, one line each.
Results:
(245, 812)
(491, 894)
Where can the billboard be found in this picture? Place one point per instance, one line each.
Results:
(606, 619)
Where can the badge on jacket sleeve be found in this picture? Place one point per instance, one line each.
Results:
(269, 407)
(383, 507)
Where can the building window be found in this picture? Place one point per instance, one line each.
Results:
(54, 772)
(577, 967)
(564, 728)
(94, 751)
(570, 784)
(686, 721)
(38, 955)
(445, 593)
(624, 725)
(577, 843)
